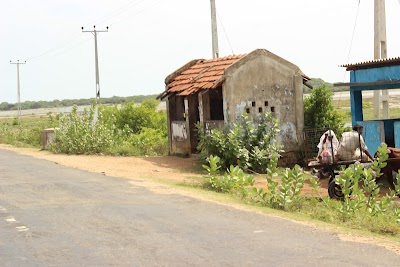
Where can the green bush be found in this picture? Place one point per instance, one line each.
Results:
(361, 192)
(136, 117)
(83, 134)
(149, 142)
(286, 194)
(233, 179)
(144, 128)
(129, 131)
(247, 145)
(319, 111)
(27, 133)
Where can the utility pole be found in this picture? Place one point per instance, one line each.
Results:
(94, 32)
(380, 51)
(214, 31)
(18, 90)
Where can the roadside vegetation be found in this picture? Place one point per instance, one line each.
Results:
(128, 130)
(362, 206)
(225, 155)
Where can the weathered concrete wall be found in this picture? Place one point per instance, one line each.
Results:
(263, 82)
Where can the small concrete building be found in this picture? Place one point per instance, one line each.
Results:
(217, 92)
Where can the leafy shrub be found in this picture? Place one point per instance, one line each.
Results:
(84, 134)
(25, 134)
(233, 179)
(248, 146)
(149, 142)
(286, 194)
(144, 128)
(356, 198)
(319, 111)
(136, 117)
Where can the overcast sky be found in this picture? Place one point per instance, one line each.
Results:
(149, 39)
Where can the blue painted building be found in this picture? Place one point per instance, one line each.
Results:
(374, 75)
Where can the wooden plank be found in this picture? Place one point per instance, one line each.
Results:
(316, 164)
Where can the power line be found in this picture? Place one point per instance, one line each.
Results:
(118, 11)
(354, 30)
(226, 35)
(102, 19)
(138, 12)
(59, 50)
(351, 45)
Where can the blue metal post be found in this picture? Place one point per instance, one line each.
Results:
(355, 101)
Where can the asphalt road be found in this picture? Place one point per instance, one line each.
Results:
(51, 215)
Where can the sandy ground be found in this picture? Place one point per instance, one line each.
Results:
(168, 169)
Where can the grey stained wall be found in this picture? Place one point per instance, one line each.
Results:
(262, 82)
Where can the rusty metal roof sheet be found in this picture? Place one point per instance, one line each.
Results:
(377, 63)
(204, 74)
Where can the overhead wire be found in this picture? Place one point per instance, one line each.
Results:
(118, 11)
(139, 11)
(226, 35)
(102, 19)
(68, 49)
(351, 45)
(53, 50)
(353, 34)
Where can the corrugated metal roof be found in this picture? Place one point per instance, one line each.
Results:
(204, 74)
(377, 63)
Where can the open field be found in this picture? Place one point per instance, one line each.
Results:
(341, 101)
(44, 111)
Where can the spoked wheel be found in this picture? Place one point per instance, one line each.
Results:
(335, 191)
(324, 175)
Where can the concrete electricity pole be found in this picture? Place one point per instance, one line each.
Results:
(215, 49)
(18, 89)
(380, 51)
(94, 32)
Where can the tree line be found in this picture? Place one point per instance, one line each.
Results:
(5, 106)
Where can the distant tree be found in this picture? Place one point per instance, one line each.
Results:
(319, 111)
(150, 103)
(115, 100)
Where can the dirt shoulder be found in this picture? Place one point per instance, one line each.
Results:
(159, 168)
(167, 169)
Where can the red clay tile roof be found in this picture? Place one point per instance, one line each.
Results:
(204, 74)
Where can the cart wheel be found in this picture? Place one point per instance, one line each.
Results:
(324, 175)
(335, 191)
